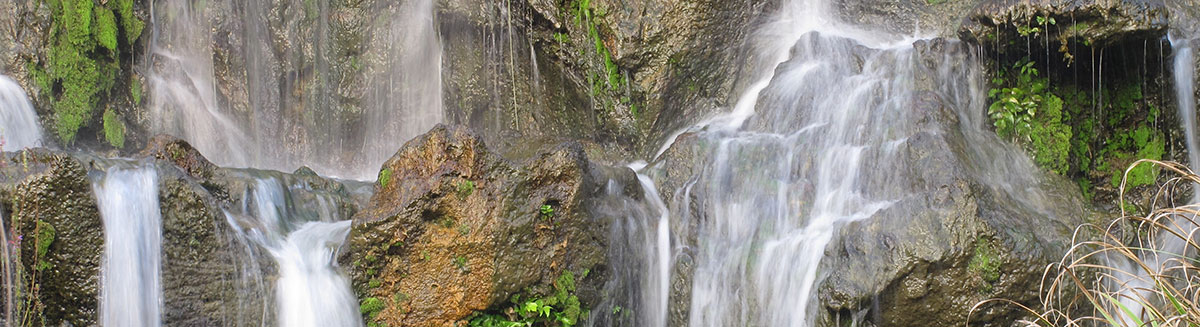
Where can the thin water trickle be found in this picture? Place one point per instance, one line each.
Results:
(131, 282)
(19, 127)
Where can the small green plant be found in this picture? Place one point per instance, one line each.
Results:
(547, 211)
(460, 262)
(385, 177)
(465, 188)
(985, 263)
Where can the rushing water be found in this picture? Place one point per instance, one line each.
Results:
(131, 287)
(18, 122)
(817, 140)
(303, 236)
(274, 100)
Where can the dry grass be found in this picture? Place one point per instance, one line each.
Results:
(1132, 271)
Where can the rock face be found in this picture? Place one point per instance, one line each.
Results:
(613, 74)
(206, 266)
(454, 229)
(1004, 24)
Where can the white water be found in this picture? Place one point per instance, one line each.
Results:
(311, 290)
(242, 118)
(131, 286)
(19, 128)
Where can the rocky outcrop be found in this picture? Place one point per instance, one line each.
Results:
(455, 229)
(616, 76)
(53, 210)
(1004, 25)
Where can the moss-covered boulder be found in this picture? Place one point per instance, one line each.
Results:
(455, 229)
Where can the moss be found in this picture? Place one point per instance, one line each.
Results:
(133, 26)
(1050, 138)
(985, 263)
(106, 28)
(370, 307)
(45, 237)
(385, 177)
(82, 64)
(114, 129)
(135, 90)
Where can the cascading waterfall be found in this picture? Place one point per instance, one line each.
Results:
(271, 117)
(815, 142)
(131, 287)
(18, 123)
(303, 240)
(405, 92)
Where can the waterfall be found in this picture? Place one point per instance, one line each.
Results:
(18, 123)
(257, 88)
(817, 140)
(304, 240)
(131, 289)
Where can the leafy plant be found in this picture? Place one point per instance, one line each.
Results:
(460, 262)
(546, 210)
(562, 309)
(1027, 113)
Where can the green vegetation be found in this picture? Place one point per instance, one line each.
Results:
(84, 58)
(370, 307)
(114, 129)
(460, 262)
(465, 188)
(546, 211)
(45, 234)
(559, 309)
(608, 76)
(1028, 114)
(985, 263)
(385, 177)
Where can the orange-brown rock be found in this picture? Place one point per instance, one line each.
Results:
(454, 228)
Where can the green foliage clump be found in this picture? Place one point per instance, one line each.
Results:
(546, 211)
(114, 129)
(370, 307)
(106, 28)
(45, 237)
(986, 263)
(385, 177)
(465, 188)
(560, 309)
(1027, 113)
(83, 60)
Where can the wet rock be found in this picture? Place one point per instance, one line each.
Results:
(455, 229)
(57, 227)
(1006, 25)
(210, 276)
(961, 238)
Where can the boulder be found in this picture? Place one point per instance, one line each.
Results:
(456, 229)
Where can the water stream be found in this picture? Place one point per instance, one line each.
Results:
(817, 140)
(303, 236)
(131, 283)
(19, 127)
